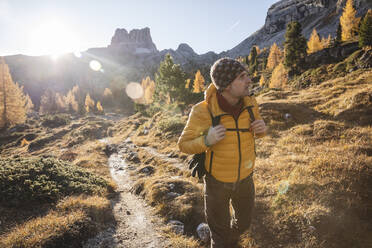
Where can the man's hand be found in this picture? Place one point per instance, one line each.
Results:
(258, 126)
(215, 134)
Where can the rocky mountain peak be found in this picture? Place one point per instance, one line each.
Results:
(320, 14)
(136, 41)
(185, 49)
(282, 12)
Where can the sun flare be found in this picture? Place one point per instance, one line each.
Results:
(53, 38)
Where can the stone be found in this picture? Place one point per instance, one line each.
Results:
(203, 232)
(177, 226)
(110, 149)
(133, 157)
(172, 195)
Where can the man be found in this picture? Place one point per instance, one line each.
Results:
(230, 149)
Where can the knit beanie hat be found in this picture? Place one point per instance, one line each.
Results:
(224, 71)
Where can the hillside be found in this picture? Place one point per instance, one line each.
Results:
(120, 180)
(313, 173)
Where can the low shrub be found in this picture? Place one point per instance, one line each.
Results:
(45, 180)
(172, 124)
(55, 120)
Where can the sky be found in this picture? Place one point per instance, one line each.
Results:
(41, 27)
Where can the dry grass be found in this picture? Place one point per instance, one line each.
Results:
(43, 231)
(74, 219)
(96, 207)
(180, 241)
(313, 172)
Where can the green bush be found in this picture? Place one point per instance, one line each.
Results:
(340, 67)
(172, 124)
(44, 180)
(147, 110)
(55, 120)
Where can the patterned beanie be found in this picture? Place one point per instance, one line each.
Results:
(224, 71)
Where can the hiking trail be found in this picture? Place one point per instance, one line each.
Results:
(136, 225)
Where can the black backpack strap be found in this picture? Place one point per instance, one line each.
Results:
(250, 112)
(251, 115)
(215, 121)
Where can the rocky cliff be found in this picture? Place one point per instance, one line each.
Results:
(137, 41)
(323, 15)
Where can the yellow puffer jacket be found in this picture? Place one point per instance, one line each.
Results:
(233, 158)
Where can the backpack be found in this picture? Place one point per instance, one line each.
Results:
(197, 162)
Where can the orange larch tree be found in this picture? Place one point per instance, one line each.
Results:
(348, 21)
(12, 100)
(275, 56)
(314, 44)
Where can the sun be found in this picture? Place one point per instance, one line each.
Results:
(53, 37)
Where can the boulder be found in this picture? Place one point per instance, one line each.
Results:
(203, 232)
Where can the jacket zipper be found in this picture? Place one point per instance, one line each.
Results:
(240, 152)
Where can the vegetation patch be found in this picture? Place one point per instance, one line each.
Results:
(172, 124)
(176, 199)
(45, 180)
(52, 230)
(55, 120)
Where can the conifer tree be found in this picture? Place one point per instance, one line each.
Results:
(170, 82)
(365, 31)
(108, 98)
(258, 50)
(279, 77)
(262, 81)
(294, 48)
(199, 81)
(61, 104)
(187, 85)
(107, 93)
(12, 99)
(29, 105)
(275, 56)
(71, 103)
(99, 107)
(338, 34)
(80, 99)
(48, 103)
(348, 21)
(149, 92)
(253, 60)
(89, 103)
(314, 44)
(326, 42)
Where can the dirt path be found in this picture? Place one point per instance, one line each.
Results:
(136, 225)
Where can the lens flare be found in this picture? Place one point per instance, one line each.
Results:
(77, 54)
(134, 90)
(283, 187)
(95, 65)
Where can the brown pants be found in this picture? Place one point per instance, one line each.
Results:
(226, 228)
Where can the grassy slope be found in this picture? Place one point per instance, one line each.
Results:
(313, 172)
(62, 217)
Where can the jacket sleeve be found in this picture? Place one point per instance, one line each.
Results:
(191, 140)
(257, 115)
